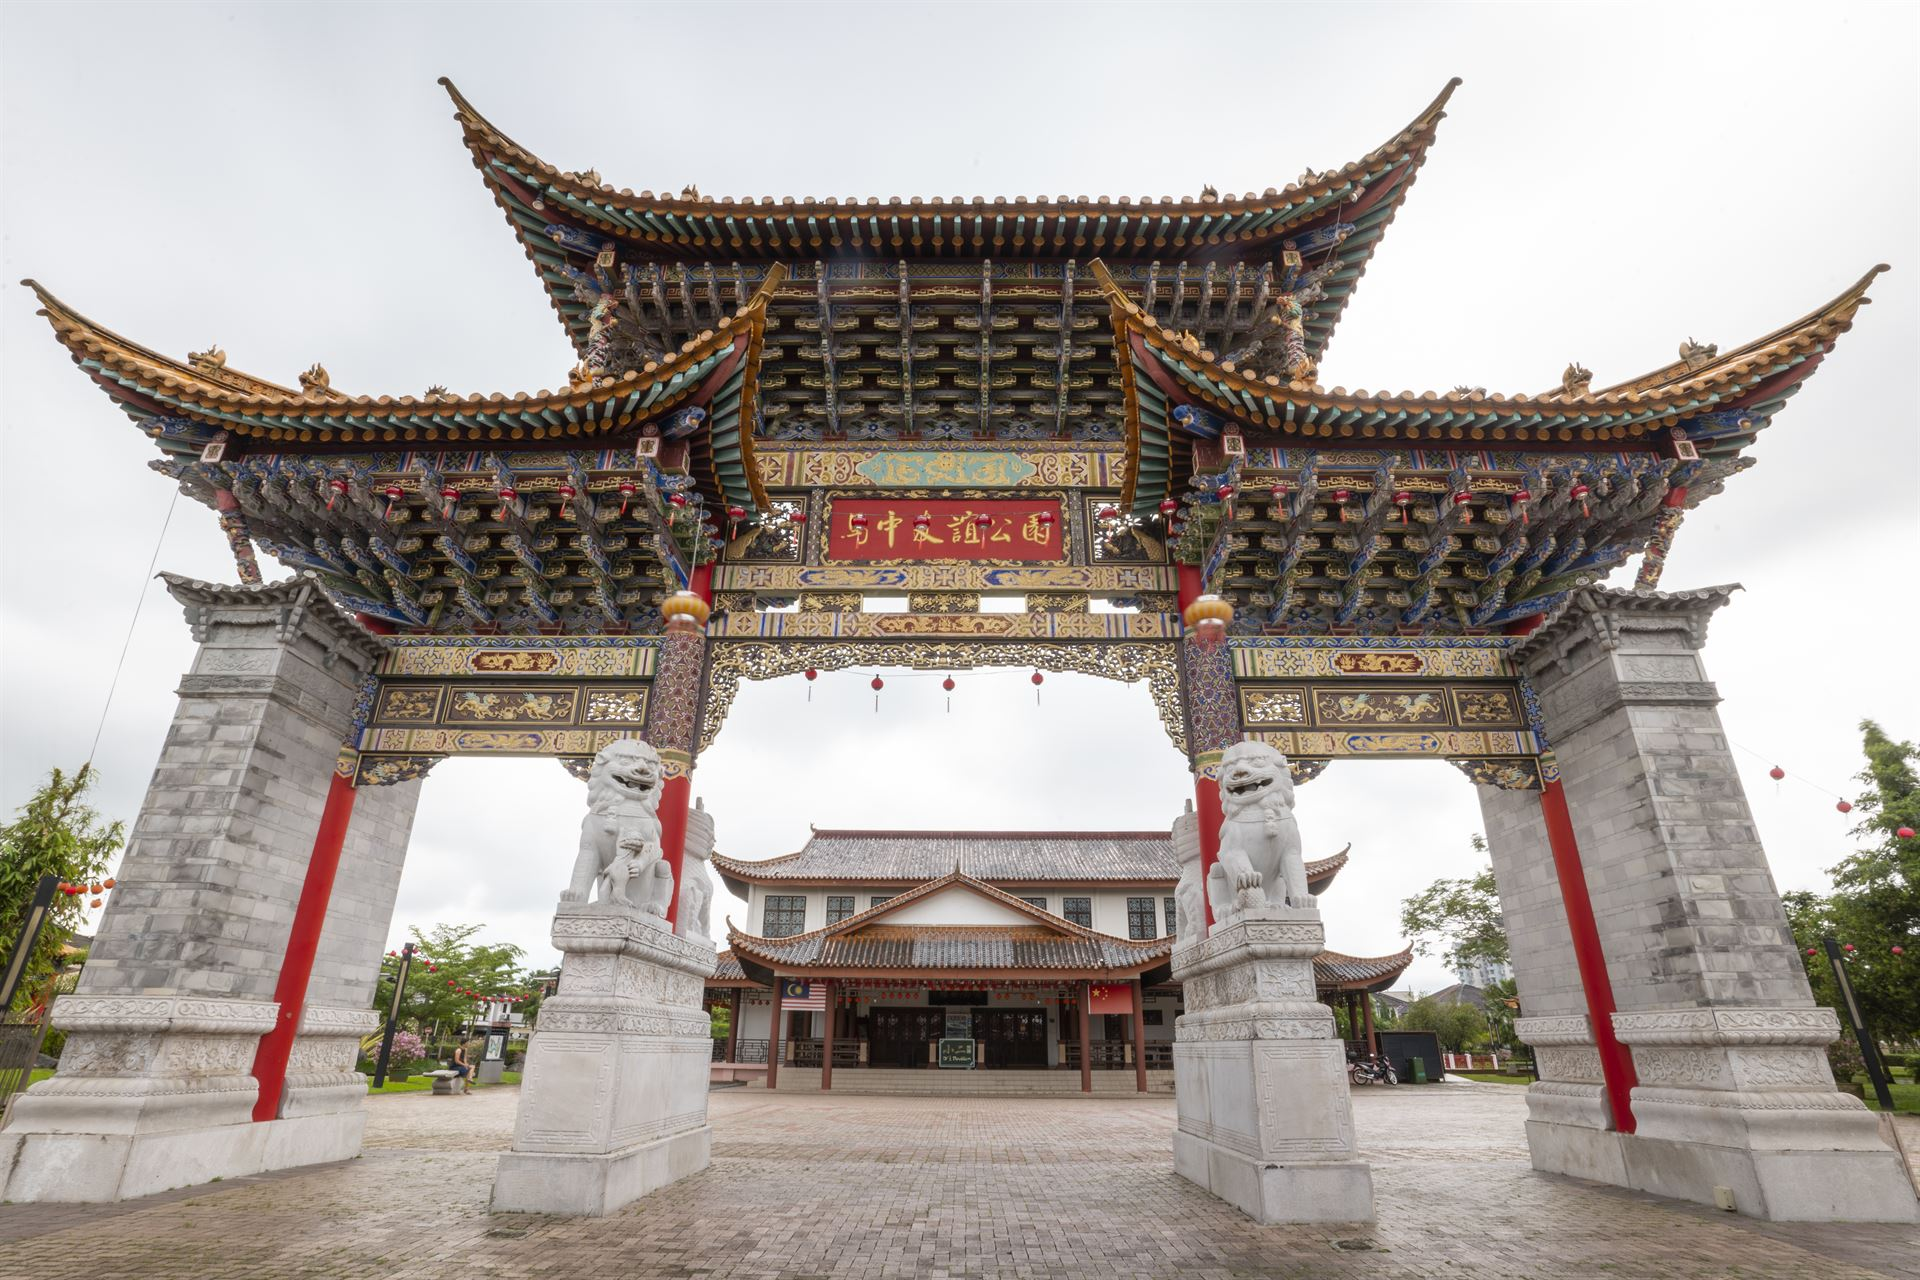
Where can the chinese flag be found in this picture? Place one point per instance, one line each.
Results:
(1110, 997)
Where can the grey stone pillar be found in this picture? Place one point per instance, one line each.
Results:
(154, 1089)
(1734, 1094)
(339, 1011)
(1568, 1119)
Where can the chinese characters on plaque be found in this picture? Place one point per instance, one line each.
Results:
(893, 529)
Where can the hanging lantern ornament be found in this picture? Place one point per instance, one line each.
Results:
(1899, 950)
(678, 501)
(1813, 951)
(567, 494)
(394, 494)
(1207, 618)
(811, 675)
(339, 487)
(108, 882)
(1579, 494)
(451, 496)
(796, 516)
(686, 613)
(1521, 498)
(947, 684)
(877, 685)
(1037, 680)
(1402, 499)
(1844, 806)
(858, 520)
(1339, 497)
(1460, 500)
(627, 489)
(1905, 833)
(1108, 513)
(1167, 507)
(507, 495)
(922, 521)
(1776, 773)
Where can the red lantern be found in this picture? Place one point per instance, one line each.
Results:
(1046, 518)
(95, 886)
(1108, 513)
(1461, 500)
(450, 982)
(1224, 493)
(1899, 950)
(877, 684)
(1905, 833)
(627, 489)
(1521, 498)
(922, 520)
(1776, 773)
(1168, 506)
(677, 500)
(451, 496)
(339, 487)
(796, 517)
(1813, 951)
(1278, 492)
(108, 882)
(1579, 494)
(736, 513)
(857, 520)
(394, 494)
(947, 684)
(95, 902)
(983, 521)
(567, 494)
(1037, 680)
(507, 496)
(1846, 946)
(1844, 806)
(811, 675)
(1402, 499)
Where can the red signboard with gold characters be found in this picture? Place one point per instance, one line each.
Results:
(896, 529)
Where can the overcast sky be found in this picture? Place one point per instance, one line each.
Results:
(286, 180)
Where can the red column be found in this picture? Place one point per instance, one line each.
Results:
(1139, 1038)
(826, 1041)
(1206, 804)
(1616, 1063)
(1086, 1039)
(773, 1038)
(303, 942)
(675, 796)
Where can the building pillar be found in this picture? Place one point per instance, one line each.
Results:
(1213, 725)
(773, 1037)
(827, 1021)
(1086, 1038)
(1139, 1038)
(1733, 1092)
(155, 1089)
(1366, 1012)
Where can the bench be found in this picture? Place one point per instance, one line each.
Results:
(444, 1081)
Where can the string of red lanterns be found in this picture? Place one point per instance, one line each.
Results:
(97, 888)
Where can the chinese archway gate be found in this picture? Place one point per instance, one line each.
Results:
(1110, 410)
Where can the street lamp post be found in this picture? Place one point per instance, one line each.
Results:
(1868, 1050)
(393, 1015)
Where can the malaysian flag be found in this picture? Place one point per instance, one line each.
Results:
(797, 993)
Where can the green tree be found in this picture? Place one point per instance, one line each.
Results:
(54, 833)
(1459, 1026)
(447, 964)
(1875, 903)
(1500, 1014)
(1464, 915)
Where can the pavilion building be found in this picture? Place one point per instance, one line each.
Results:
(1048, 951)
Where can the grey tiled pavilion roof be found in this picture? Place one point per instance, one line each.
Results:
(997, 857)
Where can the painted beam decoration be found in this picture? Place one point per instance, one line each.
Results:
(992, 530)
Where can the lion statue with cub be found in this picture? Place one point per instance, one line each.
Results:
(620, 858)
(1260, 851)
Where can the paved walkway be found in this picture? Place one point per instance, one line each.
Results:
(885, 1187)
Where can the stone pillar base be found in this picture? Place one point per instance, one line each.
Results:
(597, 1185)
(613, 1103)
(95, 1168)
(1779, 1186)
(1265, 1120)
(1273, 1193)
(1578, 1152)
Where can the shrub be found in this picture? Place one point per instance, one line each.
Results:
(408, 1048)
(1843, 1055)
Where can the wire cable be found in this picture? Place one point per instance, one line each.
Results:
(132, 622)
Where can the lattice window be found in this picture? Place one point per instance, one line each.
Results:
(1141, 918)
(1034, 902)
(786, 915)
(839, 907)
(879, 898)
(1078, 911)
(1172, 916)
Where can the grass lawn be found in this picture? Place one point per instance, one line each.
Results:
(1906, 1095)
(414, 1084)
(1489, 1077)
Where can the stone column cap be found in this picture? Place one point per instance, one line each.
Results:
(1572, 1028)
(1590, 606)
(1815, 1025)
(608, 927)
(328, 1020)
(297, 599)
(1258, 933)
(205, 1015)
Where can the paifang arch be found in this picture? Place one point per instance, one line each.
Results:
(1072, 402)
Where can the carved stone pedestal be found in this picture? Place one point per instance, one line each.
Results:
(154, 1093)
(614, 1100)
(1260, 1077)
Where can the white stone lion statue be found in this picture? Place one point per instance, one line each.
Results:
(695, 919)
(1189, 901)
(1260, 857)
(620, 858)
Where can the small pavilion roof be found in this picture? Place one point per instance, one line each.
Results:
(554, 212)
(1090, 858)
(1162, 369)
(1334, 971)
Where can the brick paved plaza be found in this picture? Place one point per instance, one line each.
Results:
(881, 1187)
